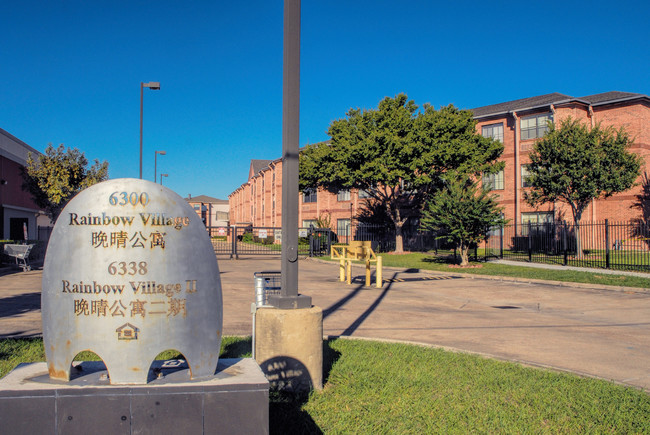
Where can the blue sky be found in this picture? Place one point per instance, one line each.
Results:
(70, 71)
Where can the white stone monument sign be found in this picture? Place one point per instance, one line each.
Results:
(130, 272)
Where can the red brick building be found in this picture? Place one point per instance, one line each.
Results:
(517, 124)
(17, 209)
(258, 202)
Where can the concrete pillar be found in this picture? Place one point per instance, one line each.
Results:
(289, 347)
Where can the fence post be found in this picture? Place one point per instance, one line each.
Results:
(234, 243)
(566, 244)
(530, 243)
(607, 259)
(501, 242)
(485, 247)
(310, 240)
(329, 241)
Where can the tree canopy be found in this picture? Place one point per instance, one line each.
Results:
(462, 213)
(56, 176)
(575, 164)
(398, 155)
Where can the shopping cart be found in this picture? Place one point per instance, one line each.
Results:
(21, 254)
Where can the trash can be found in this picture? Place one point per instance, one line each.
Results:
(266, 284)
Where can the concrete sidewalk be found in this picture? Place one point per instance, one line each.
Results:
(591, 331)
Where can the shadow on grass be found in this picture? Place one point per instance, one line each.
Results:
(286, 415)
(440, 259)
(11, 346)
(241, 348)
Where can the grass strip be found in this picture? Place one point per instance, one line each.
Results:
(375, 387)
(429, 261)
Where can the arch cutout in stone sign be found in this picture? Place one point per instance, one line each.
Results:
(129, 272)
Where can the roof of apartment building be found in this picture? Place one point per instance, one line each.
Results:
(206, 199)
(554, 98)
(259, 165)
(15, 149)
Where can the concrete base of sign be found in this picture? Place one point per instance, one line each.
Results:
(289, 347)
(234, 401)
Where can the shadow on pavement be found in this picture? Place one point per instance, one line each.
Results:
(13, 270)
(20, 304)
(344, 300)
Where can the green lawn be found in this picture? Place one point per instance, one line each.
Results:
(373, 387)
(430, 261)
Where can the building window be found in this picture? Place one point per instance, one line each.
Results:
(343, 195)
(524, 176)
(535, 126)
(363, 194)
(310, 195)
(537, 222)
(308, 223)
(343, 227)
(493, 181)
(494, 131)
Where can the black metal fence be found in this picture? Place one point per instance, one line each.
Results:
(235, 241)
(248, 240)
(615, 245)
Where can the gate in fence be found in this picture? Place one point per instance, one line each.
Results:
(248, 240)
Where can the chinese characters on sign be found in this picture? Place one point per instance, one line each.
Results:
(131, 271)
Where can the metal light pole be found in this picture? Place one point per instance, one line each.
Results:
(163, 175)
(153, 86)
(155, 163)
(289, 297)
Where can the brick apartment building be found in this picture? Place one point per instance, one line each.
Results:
(17, 209)
(518, 124)
(258, 202)
(212, 211)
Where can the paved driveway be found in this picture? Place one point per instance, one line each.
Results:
(592, 331)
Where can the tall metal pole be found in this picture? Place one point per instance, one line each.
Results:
(141, 112)
(289, 297)
(153, 86)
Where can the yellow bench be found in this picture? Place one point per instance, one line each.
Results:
(356, 250)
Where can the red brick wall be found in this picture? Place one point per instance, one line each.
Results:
(635, 118)
(263, 198)
(12, 193)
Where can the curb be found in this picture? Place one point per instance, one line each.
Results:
(579, 285)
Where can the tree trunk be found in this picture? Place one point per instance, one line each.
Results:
(399, 239)
(464, 255)
(577, 215)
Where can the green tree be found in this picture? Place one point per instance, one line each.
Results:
(397, 154)
(56, 176)
(462, 213)
(575, 165)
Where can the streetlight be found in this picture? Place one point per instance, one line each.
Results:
(153, 86)
(163, 175)
(155, 163)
